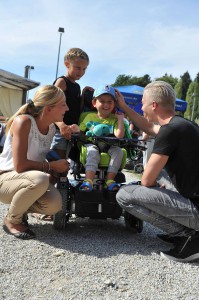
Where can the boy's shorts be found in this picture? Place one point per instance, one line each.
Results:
(59, 142)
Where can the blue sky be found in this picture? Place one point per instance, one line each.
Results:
(120, 36)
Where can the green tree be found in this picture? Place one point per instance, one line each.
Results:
(189, 99)
(143, 81)
(192, 98)
(169, 79)
(182, 86)
(124, 80)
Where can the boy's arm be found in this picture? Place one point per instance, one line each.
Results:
(82, 126)
(65, 130)
(60, 82)
(119, 132)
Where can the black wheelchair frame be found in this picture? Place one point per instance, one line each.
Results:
(98, 203)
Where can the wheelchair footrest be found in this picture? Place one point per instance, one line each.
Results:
(97, 204)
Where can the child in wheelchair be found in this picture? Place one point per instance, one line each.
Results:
(94, 171)
(104, 102)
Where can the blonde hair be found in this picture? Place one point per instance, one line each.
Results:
(75, 53)
(48, 95)
(161, 92)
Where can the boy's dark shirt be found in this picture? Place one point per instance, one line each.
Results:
(179, 139)
(73, 100)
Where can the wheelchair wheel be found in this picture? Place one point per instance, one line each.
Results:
(120, 177)
(139, 168)
(61, 218)
(132, 223)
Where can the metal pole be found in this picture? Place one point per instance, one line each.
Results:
(58, 54)
(24, 97)
(26, 72)
(30, 68)
(26, 75)
(60, 30)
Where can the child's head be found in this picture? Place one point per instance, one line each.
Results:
(75, 53)
(76, 61)
(105, 89)
(104, 100)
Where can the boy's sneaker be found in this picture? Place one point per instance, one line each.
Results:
(186, 250)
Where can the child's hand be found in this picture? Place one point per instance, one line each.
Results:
(74, 128)
(119, 116)
(120, 132)
(87, 88)
(66, 131)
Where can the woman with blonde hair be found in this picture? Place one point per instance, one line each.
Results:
(24, 171)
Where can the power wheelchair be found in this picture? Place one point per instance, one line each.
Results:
(98, 203)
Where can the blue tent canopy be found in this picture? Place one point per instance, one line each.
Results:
(181, 105)
(133, 97)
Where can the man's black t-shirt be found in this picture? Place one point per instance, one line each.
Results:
(179, 139)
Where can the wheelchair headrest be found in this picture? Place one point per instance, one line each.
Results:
(88, 97)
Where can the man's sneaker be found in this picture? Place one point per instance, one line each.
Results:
(169, 239)
(187, 249)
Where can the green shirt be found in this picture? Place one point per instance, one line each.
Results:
(111, 121)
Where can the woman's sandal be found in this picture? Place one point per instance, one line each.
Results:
(42, 217)
(87, 185)
(24, 233)
(111, 185)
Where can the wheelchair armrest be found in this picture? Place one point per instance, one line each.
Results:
(129, 144)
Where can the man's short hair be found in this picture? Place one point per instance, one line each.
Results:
(161, 92)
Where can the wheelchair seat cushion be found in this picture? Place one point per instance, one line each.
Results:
(104, 158)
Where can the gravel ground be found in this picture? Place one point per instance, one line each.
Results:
(92, 260)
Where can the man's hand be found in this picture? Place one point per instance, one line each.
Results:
(120, 100)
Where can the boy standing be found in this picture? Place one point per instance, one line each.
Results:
(104, 101)
(76, 62)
